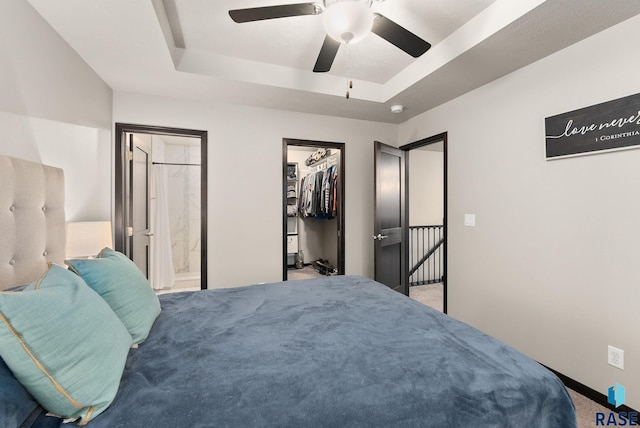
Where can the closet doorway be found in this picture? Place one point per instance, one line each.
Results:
(160, 204)
(426, 211)
(312, 208)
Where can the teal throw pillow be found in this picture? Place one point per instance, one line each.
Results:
(119, 281)
(64, 344)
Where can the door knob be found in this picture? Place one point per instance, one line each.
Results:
(379, 237)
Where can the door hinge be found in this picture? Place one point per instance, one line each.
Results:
(129, 155)
(129, 231)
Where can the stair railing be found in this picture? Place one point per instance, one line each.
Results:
(425, 254)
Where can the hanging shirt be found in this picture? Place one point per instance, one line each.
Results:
(318, 194)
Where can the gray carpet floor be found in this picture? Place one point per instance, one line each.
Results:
(586, 410)
(430, 295)
(304, 273)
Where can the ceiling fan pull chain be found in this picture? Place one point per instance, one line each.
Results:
(350, 82)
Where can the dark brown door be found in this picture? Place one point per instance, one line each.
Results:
(139, 201)
(389, 215)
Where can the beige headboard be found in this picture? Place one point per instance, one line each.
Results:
(32, 220)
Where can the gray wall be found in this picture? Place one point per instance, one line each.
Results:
(41, 76)
(552, 266)
(426, 187)
(245, 179)
(54, 109)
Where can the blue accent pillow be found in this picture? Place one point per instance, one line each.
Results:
(64, 344)
(16, 404)
(119, 281)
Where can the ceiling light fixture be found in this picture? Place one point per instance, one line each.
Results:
(397, 108)
(347, 21)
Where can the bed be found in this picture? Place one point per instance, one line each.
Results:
(339, 351)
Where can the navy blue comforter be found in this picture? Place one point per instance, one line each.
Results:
(328, 352)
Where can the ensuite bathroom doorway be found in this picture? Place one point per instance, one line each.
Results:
(161, 204)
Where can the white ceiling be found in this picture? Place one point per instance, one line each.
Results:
(192, 49)
(295, 42)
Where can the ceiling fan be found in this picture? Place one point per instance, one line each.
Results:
(345, 21)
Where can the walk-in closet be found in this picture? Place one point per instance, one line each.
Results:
(314, 210)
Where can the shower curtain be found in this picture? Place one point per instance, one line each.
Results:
(163, 275)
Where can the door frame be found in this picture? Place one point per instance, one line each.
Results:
(406, 148)
(120, 234)
(286, 142)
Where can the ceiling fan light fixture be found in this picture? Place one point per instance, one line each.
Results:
(348, 21)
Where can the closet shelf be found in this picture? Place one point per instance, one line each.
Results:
(292, 211)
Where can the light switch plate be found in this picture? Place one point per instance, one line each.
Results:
(470, 220)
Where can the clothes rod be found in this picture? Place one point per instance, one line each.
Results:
(175, 164)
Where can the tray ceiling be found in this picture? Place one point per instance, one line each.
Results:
(192, 49)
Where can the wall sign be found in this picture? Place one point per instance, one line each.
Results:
(613, 125)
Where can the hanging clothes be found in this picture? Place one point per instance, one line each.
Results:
(334, 194)
(305, 201)
(329, 191)
(318, 194)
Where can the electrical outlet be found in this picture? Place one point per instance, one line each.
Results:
(616, 357)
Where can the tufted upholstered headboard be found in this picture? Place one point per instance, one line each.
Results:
(32, 220)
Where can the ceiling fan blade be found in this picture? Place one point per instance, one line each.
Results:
(326, 56)
(399, 36)
(273, 12)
